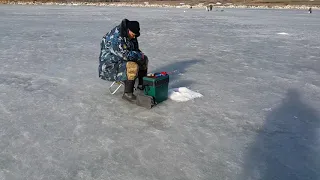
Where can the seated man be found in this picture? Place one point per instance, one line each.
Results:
(121, 59)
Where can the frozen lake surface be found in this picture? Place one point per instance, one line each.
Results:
(258, 72)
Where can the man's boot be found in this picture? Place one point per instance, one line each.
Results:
(141, 74)
(128, 91)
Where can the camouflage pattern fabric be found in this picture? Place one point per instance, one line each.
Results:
(116, 51)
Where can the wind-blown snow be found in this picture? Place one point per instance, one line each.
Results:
(182, 94)
(258, 119)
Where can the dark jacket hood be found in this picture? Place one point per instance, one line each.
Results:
(124, 28)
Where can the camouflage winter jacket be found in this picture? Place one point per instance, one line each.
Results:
(116, 50)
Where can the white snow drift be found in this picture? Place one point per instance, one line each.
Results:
(182, 94)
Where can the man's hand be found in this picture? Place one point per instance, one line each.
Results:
(143, 60)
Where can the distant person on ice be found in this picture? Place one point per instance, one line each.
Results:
(121, 59)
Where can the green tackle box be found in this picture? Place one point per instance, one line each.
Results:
(157, 87)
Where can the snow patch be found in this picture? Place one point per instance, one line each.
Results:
(312, 87)
(182, 94)
(267, 109)
(283, 33)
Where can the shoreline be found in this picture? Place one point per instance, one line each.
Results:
(147, 5)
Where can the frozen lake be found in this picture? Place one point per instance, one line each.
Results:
(258, 72)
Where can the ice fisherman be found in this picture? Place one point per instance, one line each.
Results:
(121, 59)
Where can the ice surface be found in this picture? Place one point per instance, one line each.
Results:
(182, 94)
(258, 117)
